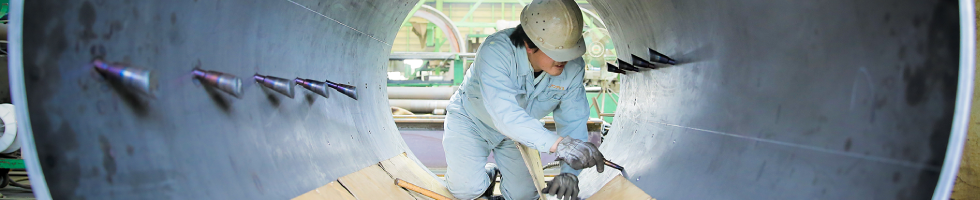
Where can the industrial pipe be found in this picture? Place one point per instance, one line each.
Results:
(419, 105)
(427, 93)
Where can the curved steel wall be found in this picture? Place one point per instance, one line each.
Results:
(834, 99)
(95, 143)
(786, 100)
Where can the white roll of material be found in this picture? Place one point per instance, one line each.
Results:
(9, 141)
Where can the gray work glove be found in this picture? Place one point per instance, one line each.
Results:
(564, 186)
(579, 155)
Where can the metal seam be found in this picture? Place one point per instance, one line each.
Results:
(824, 150)
(338, 22)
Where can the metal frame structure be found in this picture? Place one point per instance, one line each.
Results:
(445, 24)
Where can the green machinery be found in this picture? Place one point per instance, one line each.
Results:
(9, 163)
(453, 65)
(444, 69)
(12, 164)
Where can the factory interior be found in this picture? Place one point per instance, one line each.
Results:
(347, 99)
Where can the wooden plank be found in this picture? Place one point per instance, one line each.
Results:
(419, 190)
(620, 188)
(532, 159)
(373, 183)
(332, 190)
(406, 169)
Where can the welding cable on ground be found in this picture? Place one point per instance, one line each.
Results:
(15, 184)
(5, 181)
(552, 165)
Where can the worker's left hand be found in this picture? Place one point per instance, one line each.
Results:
(564, 186)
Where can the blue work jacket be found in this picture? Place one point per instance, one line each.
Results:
(501, 91)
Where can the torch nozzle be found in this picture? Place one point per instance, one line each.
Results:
(224, 82)
(277, 84)
(133, 78)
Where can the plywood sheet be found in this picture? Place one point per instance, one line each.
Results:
(332, 190)
(373, 183)
(406, 169)
(532, 159)
(620, 188)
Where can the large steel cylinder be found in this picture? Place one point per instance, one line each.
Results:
(830, 99)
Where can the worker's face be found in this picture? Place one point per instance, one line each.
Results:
(541, 62)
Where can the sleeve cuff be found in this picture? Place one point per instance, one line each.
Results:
(549, 141)
(568, 169)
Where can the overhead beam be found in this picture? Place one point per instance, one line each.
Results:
(472, 9)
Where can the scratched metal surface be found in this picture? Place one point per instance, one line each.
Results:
(784, 99)
(95, 142)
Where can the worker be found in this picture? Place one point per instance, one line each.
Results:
(519, 76)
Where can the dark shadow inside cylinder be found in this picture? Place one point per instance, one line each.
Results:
(272, 96)
(311, 97)
(219, 99)
(131, 99)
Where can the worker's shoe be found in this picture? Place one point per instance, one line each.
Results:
(492, 172)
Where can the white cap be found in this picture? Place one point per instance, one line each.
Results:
(555, 26)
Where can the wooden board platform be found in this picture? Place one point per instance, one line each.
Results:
(404, 168)
(620, 188)
(332, 190)
(532, 159)
(377, 182)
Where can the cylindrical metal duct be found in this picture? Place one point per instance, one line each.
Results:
(429, 93)
(419, 105)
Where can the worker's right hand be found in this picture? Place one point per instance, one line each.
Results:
(579, 155)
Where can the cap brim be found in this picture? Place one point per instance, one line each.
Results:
(563, 55)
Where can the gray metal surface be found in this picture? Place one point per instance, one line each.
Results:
(96, 142)
(773, 100)
(784, 99)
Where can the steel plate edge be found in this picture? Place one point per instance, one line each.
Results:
(18, 95)
(964, 95)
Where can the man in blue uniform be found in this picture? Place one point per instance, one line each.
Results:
(521, 75)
